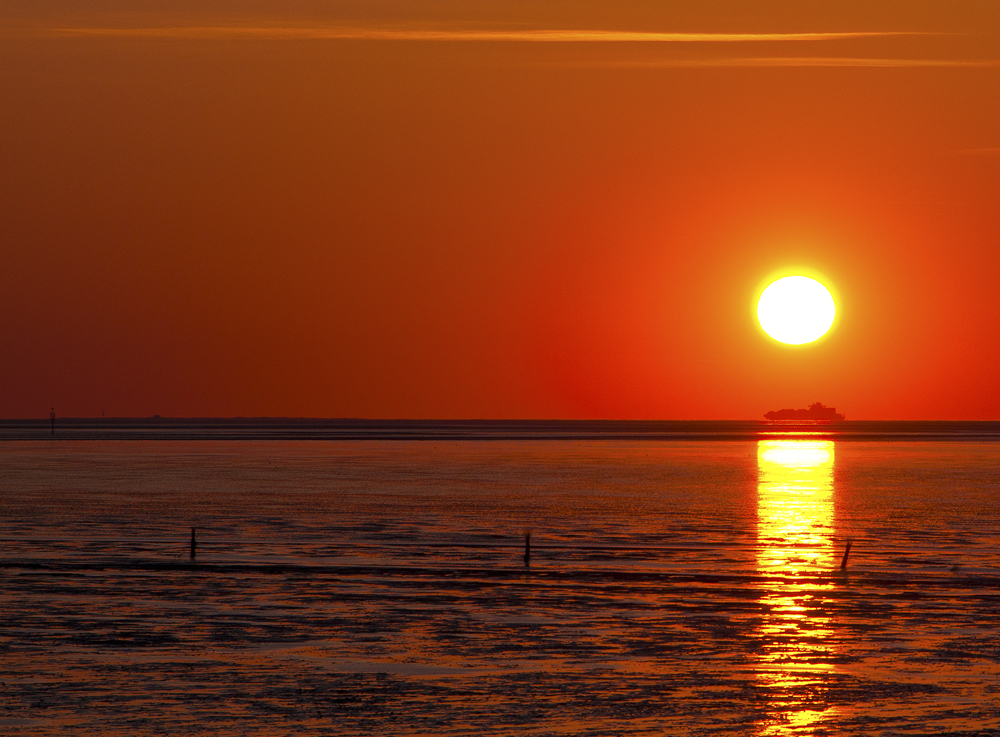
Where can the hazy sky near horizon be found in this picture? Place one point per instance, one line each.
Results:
(496, 209)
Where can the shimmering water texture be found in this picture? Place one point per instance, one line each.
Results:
(377, 587)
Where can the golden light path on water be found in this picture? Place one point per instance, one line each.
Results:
(795, 524)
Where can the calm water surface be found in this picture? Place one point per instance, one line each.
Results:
(358, 587)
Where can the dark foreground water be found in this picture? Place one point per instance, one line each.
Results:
(356, 587)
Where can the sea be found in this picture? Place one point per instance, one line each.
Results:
(349, 577)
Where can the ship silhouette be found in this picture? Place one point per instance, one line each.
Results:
(817, 411)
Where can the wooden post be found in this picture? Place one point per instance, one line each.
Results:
(843, 561)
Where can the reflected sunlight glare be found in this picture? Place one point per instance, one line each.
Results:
(794, 544)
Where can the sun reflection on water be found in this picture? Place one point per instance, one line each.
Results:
(795, 553)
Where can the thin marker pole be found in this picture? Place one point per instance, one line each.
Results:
(194, 544)
(843, 561)
(527, 548)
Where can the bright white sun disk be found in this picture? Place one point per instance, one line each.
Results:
(796, 310)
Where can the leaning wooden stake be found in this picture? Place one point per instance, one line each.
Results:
(194, 544)
(843, 561)
(527, 548)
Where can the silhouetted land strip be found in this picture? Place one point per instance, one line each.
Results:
(267, 428)
(916, 584)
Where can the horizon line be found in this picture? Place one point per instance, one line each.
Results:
(47, 420)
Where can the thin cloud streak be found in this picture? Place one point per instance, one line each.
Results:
(789, 61)
(991, 151)
(383, 34)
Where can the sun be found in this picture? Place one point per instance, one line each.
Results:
(796, 310)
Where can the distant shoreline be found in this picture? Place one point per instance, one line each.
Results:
(273, 428)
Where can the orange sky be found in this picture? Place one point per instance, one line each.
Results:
(429, 210)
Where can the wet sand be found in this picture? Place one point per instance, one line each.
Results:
(379, 588)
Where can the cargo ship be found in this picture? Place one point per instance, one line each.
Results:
(817, 411)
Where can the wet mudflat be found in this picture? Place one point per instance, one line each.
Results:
(379, 588)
